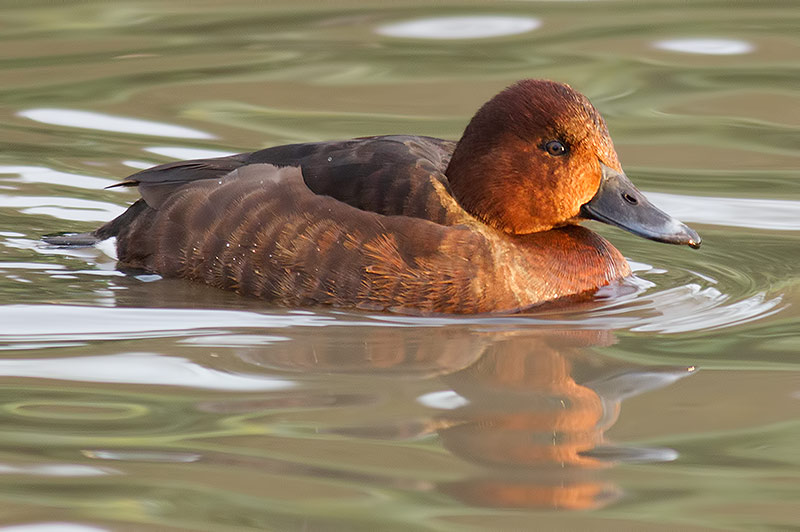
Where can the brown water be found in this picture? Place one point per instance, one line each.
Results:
(133, 403)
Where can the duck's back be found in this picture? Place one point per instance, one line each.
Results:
(392, 175)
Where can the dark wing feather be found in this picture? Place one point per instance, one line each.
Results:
(157, 183)
(392, 175)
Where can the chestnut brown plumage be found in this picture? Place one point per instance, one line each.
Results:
(391, 222)
(501, 156)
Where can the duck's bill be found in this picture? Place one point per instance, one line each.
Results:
(618, 202)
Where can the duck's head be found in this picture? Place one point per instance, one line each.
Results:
(538, 156)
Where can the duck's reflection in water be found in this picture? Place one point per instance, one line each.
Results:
(538, 407)
(530, 408)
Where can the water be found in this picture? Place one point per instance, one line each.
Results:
(138, 403)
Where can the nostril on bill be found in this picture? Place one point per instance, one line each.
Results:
(630, 199)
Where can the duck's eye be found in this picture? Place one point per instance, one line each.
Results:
(556, 148)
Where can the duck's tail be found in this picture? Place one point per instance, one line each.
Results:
(72, 240)
(91, 238)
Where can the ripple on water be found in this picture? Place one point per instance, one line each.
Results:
(688, 308)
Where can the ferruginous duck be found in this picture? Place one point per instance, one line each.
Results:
(404, 223)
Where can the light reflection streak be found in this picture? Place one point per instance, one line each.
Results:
(56, 470)
(55, 526)
(771, 214)
(180, 152)
(105, 122)
(138, 368)
(706, 46)
(463, 27)
(41, 174)
(73, 209)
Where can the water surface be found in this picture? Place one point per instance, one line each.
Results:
(132, 402)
